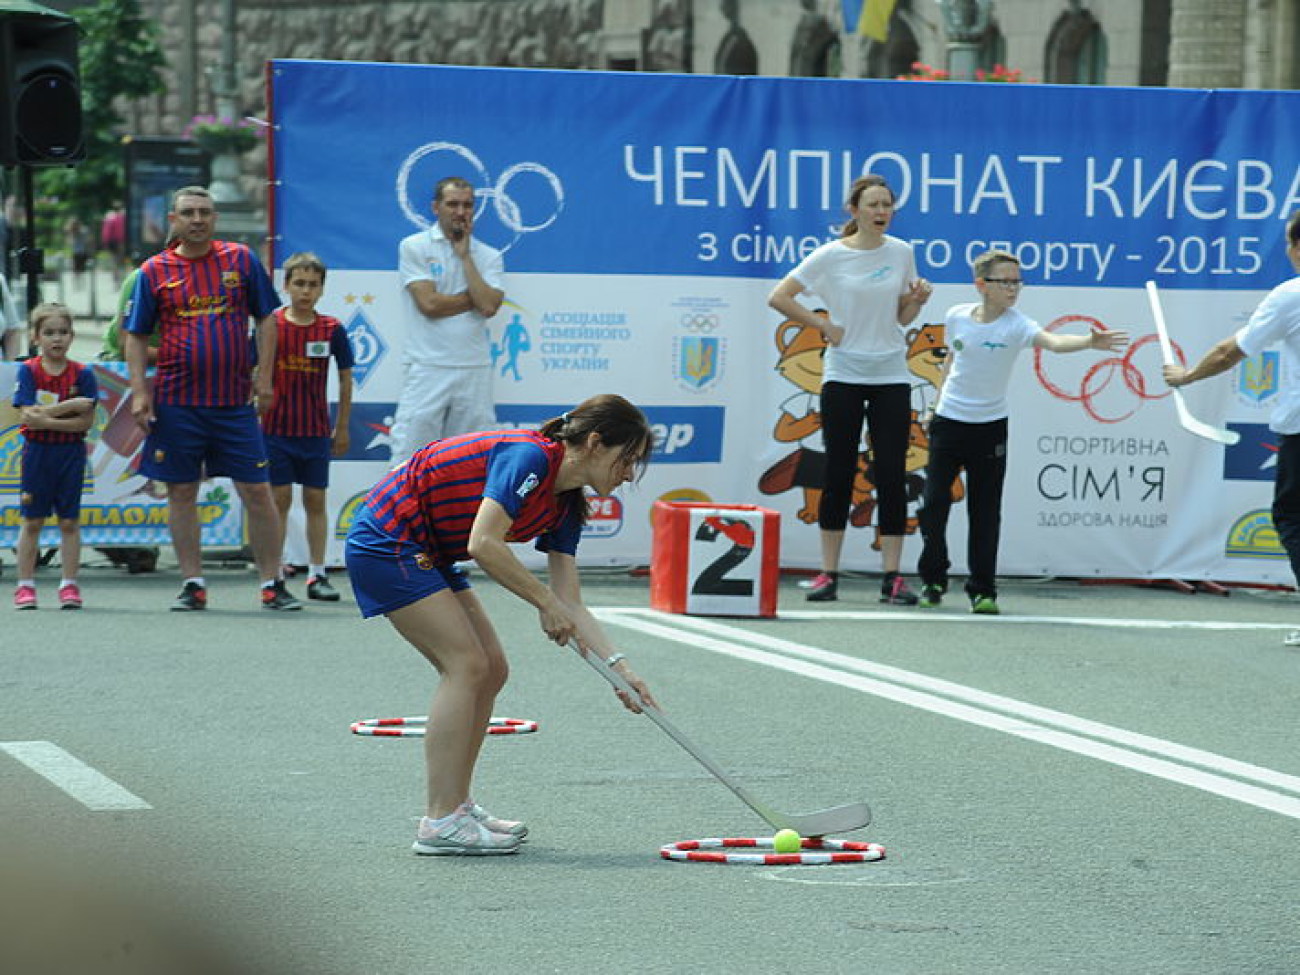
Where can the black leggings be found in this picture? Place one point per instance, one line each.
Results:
(888, 412)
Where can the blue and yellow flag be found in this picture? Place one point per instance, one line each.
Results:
(868, 17)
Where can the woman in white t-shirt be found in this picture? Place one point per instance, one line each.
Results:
(868, 282)
(969, 428)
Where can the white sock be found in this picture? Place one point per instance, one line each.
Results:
(27, 582)
(268, 583)
(316, 572)
(67, 582)
(197, 580)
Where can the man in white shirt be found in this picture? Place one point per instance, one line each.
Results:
(453, 284)
(1275, 320)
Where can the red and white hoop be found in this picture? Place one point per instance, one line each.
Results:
(415, 727)
(816, 851)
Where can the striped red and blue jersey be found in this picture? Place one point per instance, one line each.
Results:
(36, 387)
(302, 358)
(433, 498)
(202, 306)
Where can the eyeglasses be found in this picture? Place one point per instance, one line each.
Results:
(1007, 282)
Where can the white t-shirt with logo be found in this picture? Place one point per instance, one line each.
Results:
(861, 291)
(1277, 319)
(983, 355)
(457, 340)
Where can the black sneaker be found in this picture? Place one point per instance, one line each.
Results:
(277, 597)
(824, 589)
(318, 587)
(191, 599)
(931, 595)
(895, 592)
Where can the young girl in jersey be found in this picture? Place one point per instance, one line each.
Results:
(867, 280)
(468, 497)
(56, 398)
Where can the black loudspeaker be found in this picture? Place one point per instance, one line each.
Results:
(40, 90)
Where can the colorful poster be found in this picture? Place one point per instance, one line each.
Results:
(645, 217)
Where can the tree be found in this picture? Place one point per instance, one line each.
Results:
(121, 60)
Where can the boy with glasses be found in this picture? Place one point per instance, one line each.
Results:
(969, 428)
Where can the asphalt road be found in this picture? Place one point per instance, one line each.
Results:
(1103, 780)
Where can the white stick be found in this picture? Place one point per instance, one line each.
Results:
(1189, 422)
(840, 819)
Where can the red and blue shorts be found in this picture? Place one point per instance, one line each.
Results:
(388, 572)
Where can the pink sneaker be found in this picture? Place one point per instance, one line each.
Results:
(462, 835)
(825, 588)
(70, 596)
(25, 597)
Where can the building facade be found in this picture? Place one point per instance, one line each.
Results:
(1185, 43)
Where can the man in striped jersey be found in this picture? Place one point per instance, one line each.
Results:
(199, 415)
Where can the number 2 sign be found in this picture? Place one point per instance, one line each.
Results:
(714, 560)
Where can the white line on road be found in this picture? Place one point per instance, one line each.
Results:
(998, 713)
(1009, 619)
(91, 788)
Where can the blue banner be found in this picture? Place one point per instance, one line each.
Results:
(644, 219)
(625, 173)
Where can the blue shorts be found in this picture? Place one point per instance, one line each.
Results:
(52, 478)
(388, 573)
(299, 460)
(189, 443)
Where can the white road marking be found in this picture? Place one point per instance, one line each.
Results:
(91, 788)
(1006, 619)
(1105, 743)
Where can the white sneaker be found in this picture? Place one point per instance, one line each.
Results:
(511, 827)
(1292, 639)
(462, 835)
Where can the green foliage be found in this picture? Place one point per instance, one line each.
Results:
(121, 60)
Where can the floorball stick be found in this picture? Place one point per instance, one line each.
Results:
(840, 819)
(1189, 422)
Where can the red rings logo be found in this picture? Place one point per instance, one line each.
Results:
(1101, 375)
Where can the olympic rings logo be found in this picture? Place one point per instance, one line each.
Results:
(699, 322)
(504, 206)
(1101, 374)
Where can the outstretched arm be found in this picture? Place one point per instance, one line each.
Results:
(1219, 359)
(1097, 338)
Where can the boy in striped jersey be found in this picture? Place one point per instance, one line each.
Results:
(199, 415)
(57, 399)
(299, 438)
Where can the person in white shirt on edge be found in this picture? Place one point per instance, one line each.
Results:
(1275, 320)
(868, 282)
(13, 329)
(453, 284)
(969, 427)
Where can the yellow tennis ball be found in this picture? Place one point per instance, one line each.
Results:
(787, 841)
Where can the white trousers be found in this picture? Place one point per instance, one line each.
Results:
(438, 402)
